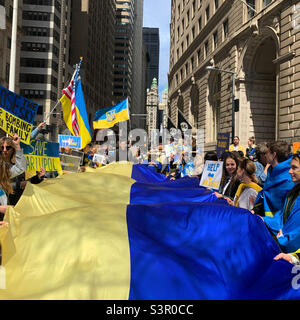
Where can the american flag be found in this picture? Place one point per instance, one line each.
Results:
(70, 93)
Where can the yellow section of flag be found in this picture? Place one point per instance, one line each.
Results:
(67, 239)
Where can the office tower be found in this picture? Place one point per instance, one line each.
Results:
(251, 50)
(151, 40)
(138, 93)
(123, 57)
(45, 56)
(92, 37)
(6, 14)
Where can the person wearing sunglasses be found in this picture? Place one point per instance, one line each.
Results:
(285, 224)
(12, 164)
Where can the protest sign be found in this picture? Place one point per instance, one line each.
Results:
(212, 174)
(169, 149)
(69, 141)
(17, 114)
(99, 158)
(222, 143)
(69, 163)
(42, 154)
(77, 153)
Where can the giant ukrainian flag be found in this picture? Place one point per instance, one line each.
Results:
(108, 117)
(120, 233)
(81, 114)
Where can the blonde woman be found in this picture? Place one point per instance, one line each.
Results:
(12, 164)
(248, 189)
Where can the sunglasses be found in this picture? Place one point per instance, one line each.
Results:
(7, 148)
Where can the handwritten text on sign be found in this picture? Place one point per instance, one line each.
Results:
(11, 124)
(42, 154)
(212, 174)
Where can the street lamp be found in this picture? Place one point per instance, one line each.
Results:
(210, 68)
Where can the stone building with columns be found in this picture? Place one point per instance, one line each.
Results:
(257, 44)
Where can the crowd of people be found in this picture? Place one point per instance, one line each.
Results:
(263, 179)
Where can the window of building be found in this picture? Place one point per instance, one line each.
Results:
(207, 13)
(251, 8)
(225, 29)
(7, 69)
(193, 33)
(192, 63)
(186, 69)
(216, 4)
(182, 25)
(187, 40)
(215, 39)
(205, 49)
(199, 56)
(267, 2)
(193, 8)
(188, 17)
(8, 43)
(200, 24)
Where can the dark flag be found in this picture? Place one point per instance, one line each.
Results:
(183, 124)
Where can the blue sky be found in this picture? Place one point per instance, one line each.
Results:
(157, 14)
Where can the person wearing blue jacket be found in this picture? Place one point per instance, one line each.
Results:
(278, 183)
(285, 224)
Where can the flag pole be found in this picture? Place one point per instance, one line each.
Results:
(184, 117)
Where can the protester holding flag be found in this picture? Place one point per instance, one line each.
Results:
(74, 109)
(285, 224)
(278, 183)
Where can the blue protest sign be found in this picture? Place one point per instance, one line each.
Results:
(222, 143)
(17, 114)
(69, 141)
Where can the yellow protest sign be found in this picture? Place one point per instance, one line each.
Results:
(12, 124)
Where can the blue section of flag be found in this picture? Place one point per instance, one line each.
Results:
(80, 104)
(276, 187)
(142, 173)
(203, 251)
(187, 244)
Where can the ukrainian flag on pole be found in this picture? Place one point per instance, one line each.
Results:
(74, 110)
(108, 117)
